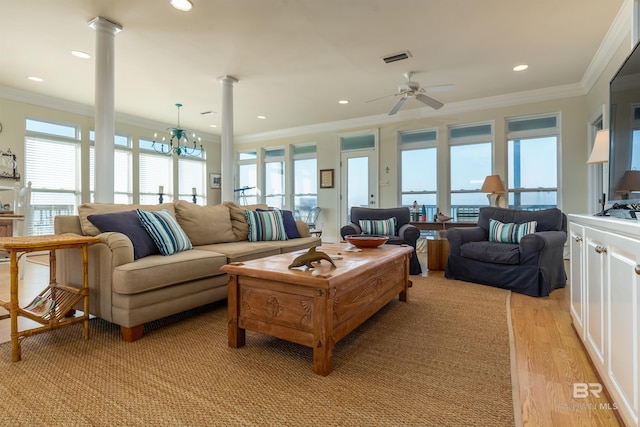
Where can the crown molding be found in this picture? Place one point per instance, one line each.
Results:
(620, 28)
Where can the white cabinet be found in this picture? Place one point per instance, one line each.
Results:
(594, 278)
(576, 255)
(605, 299)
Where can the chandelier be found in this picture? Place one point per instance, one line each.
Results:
(179, 142)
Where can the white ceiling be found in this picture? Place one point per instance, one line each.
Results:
(295, 59)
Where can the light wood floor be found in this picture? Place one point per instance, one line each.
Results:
(549, 356)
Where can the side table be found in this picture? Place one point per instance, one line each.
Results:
(437, 253)
(51, 306)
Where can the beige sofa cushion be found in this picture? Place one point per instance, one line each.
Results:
(239, 220)
(86, 209)
(205, 224)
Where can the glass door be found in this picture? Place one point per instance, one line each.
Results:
(358, 178)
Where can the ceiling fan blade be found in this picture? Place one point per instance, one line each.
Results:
(382, 97)
(398, 105)
(429, 101)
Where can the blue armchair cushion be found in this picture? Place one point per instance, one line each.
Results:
(381, 227)
(510, 232)
(494, 252)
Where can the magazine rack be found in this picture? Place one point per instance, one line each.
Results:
(51, 307)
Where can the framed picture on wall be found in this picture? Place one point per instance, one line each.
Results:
(326, 178)
(214, 180)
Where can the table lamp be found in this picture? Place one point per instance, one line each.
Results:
(600, 154)
(493, 185)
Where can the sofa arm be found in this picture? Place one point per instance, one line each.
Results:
(458, 236)
(541, 247)
(113, 250)
(409, 233)
(348, 229)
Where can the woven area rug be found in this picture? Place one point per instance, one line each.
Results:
(442, 359)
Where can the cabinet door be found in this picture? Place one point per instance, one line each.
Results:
(622, 321)
(576, 281)
(595, 258)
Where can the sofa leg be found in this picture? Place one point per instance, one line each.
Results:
(132, 334)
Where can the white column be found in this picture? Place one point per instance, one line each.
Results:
(104, 107)
(226, 151)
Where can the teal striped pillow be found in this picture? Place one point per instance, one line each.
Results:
(167, 234)
(265, 225)
(380, 227)
(510, 233)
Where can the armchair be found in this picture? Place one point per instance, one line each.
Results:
(404, 234)
(533, 266)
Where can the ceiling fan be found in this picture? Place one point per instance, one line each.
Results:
(411, 89)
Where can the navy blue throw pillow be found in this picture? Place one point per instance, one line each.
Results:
(127, 223)
(289, 224)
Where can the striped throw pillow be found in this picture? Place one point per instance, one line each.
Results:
(380, 227)
(510, 233)
(165, 231)
(265, 225)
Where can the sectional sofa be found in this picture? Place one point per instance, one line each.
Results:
(130, 283)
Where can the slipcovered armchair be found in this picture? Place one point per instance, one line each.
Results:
(405, 233)
(530, 263)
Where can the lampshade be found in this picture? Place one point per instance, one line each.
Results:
(493, 184)
(600, 151)
(630, 182)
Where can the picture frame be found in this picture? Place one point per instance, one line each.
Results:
(215, 180)
(326, 178)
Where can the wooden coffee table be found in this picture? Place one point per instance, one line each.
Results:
(314, 307)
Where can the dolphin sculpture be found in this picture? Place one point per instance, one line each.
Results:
(309, 257)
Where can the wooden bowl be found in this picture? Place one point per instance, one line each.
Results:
(366, 240)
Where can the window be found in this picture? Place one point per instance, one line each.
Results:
(470, 153)
(122, 168)
(419, 169)
(156, 170)
(52, 164)
(246, 193)
(274, 177)
(192, 177)
(305, 179)
(533, 162)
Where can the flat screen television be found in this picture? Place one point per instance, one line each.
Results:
(624, 132)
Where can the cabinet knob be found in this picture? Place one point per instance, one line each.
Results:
(601, 249)
(637, 269)
(578, 239)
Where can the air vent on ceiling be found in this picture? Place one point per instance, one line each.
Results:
(397, 56)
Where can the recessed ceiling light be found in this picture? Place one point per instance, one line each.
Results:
(213, 126)
(520, 67)
(262, 117)
(35, 79)
(343, 101)
(183, 5)
(80, 54)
